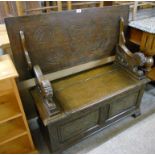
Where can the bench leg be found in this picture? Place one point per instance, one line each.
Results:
(136, 114)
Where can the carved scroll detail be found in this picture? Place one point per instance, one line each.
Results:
(133, 62)
(46, 90)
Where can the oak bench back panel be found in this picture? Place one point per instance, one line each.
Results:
(61, 40)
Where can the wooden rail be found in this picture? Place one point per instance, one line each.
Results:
(59, 6)
(135, 5)
(6, 7)
(20, 8)
(41, 8)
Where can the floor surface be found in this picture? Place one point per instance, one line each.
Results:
(126, 136)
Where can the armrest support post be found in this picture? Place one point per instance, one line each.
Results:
(26, 53)
(43, 84)
(133, 62)
(46, 91)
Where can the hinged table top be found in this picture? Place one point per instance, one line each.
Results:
(61, 40)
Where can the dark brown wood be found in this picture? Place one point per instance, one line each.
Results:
(89, 100)
(46, 91)
(131, 61)
(70, 127)
(64, 39)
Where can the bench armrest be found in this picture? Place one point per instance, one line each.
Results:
(132, 62)
(46, 91)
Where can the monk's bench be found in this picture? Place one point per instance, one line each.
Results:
(76, 69)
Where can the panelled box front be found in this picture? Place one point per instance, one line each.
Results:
(75, 127)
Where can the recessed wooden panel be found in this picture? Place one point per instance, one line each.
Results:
(121, 104)
(79, 125)
(148, 44)
(60, 40)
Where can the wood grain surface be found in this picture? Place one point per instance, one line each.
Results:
(89, 87)
(61, 40)
(7, 69)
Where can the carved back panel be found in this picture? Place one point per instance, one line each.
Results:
(60, 40)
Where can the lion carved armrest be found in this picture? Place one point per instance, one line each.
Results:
(133, 62)
(46, 91)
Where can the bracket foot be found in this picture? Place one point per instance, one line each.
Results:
(136, 114)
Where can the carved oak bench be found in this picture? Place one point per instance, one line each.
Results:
(77, 70)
